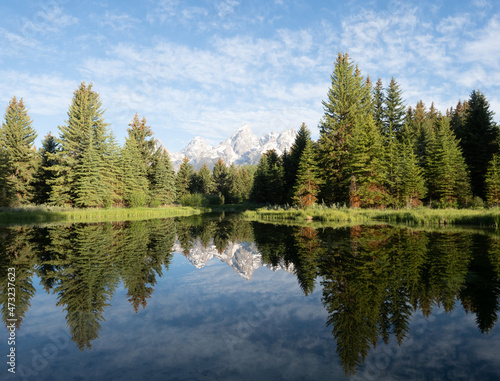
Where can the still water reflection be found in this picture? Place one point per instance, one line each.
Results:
(228, 299)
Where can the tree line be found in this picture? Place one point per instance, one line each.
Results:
(373, 151)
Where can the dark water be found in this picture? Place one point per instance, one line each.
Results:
(226, 299)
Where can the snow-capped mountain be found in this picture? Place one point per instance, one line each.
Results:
(243, 147)
(243, 257)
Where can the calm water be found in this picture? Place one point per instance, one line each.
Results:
(226, 299)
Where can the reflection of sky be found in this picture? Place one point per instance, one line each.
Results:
(211, 324)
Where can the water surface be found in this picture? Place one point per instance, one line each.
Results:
(226, 299)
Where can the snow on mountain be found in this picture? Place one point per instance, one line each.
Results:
(243, 257)
(243, 147)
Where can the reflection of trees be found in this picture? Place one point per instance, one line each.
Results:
(373, 278)
(16, 250)
(142, 249)
(87, 281)
(481, 294)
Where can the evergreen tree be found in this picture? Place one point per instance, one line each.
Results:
(84, 128)
(268, 184)
(447, 175)
(134, 182)
(90, 190)
(203, 181)
(366, 166)
(409, 183)
(221, 179)
(143, 135)
(307, 182)
(18, 155)
(492, 181)
(378, 105)
(478, 139)
(346, 108)
(44, 174)
(394, 111)
(183, 178)
(162, 184)
(291, 163)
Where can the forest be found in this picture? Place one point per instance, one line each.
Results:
(373, 151)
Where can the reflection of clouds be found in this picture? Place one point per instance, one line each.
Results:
(210, 324)
(446, 347)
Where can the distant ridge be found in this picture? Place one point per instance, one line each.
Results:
(243, 147)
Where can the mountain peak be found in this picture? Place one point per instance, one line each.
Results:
(243, 147)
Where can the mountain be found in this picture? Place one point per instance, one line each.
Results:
(243, 147)
(243, 257)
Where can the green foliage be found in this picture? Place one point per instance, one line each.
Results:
(183, 178)
(492, 181)
(202, 181)
(291, 162)
(18, 156)
(44, 174)
(134, 179)
(307, 182)
(447, 175)
(268, 184)
(479, 138)
(366, 165)
(394, 111)
(85, 129)
(348, 107)
(162, 184)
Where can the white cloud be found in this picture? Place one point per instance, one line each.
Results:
(119, 22)
(51, 19)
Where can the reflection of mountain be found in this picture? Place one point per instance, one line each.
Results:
(243, 257)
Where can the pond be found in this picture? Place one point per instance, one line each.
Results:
(222, 298)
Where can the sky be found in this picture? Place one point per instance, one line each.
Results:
(205, 68)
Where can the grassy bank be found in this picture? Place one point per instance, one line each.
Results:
(54, 214)
(421, 216)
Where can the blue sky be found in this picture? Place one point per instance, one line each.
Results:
(204, 68)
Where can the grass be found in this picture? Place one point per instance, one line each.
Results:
(419, 216)
(44, 214)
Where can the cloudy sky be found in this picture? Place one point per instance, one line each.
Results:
(204, 68)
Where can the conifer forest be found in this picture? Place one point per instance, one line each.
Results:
(373, 151)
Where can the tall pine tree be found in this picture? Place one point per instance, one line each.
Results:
(346, 108)
(18, 155)
(307, 181)
(447, 175)
(84, 128)
(479, 139)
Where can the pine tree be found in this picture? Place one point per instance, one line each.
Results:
(85, 124)
(143, 135)
(134, 181)
(447, 175)
(378, 105)
(221, 179)
(18, 155)
(44, 173)
(291, 163)
(268, 184)
(478, 139)
(409, 183)
(203, 181)
(394, 111)
(492, 181)
(366, 166)
(346, 108)
(183, 178)
(307, 182)
(162, 184)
